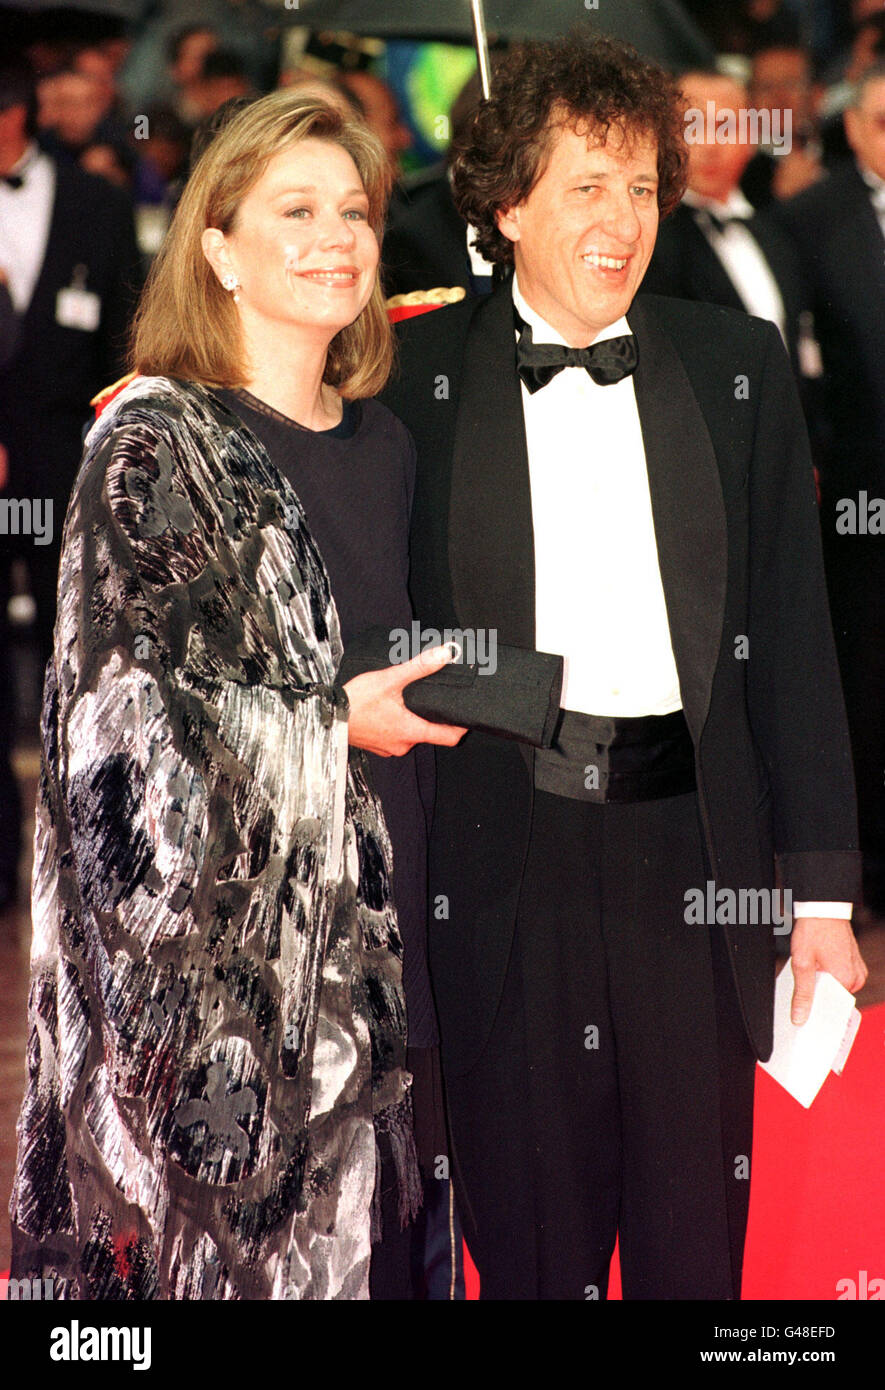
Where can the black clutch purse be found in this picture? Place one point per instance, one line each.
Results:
(516, 697)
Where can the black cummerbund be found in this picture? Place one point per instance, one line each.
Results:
(595, 758)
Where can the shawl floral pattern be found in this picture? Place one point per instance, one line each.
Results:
(216, 1017)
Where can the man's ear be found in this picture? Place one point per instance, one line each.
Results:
(508, 223)
(215, 249)
(849, 121)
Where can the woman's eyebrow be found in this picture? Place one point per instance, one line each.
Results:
(311, 188)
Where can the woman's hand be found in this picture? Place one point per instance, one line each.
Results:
(379, 720)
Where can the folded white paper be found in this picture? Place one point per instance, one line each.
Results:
(803, 1057)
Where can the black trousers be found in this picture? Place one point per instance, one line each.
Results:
(615, 1094)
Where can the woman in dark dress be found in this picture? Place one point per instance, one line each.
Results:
(217, 1050)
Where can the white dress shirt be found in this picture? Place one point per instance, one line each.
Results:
(25, 215)
(741, 256)
(599, 600)
(479, 266)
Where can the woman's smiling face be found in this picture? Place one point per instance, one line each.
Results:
(301, 245)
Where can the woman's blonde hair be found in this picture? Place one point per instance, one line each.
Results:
(186, 325)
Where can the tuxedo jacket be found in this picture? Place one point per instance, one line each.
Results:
(738, 544)
(842, 253)
(54, 370)
(425, 244)
(685, 265)
(757, 180)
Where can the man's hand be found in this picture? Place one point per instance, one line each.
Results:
(823, 943)
(379, 720)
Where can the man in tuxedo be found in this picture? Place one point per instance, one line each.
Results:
(645, 507)
(68, 248)
(427, 243)
(69, 255)
(716, 247)
(839, 230)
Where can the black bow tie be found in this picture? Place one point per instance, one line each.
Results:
(607, 362)
(13, 180)
(718, 220)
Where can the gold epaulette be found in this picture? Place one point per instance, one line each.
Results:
(108, 391)
(440, 295)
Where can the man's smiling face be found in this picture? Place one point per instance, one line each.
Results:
(584, 235)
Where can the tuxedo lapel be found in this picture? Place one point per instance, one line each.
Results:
(491, 545)
(782, 258)
(55, 271)
(706, 276)
(688, 510)
(858, 242)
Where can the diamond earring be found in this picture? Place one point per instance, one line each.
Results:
(230, 282)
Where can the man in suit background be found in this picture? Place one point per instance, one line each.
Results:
(716, 247)
(626, 482)
(69, 254)
(427, 243)
(781, 80)
(839, 230)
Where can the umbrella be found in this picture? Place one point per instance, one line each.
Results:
(129, 10)
(658, 29)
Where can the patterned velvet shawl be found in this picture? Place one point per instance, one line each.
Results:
(217, 1026)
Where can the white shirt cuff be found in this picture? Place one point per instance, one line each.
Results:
(841, 910)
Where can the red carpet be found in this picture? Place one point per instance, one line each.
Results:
(817, 1210)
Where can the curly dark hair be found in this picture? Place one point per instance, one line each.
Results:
(540, 87)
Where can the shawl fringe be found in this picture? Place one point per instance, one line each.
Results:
(396, 1123)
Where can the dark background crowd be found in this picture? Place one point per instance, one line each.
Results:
(98, 121)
